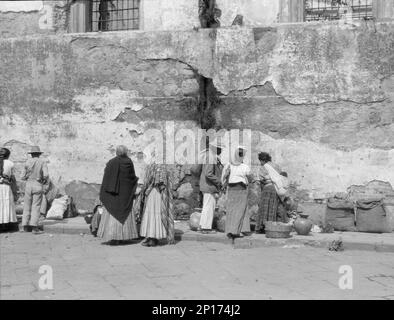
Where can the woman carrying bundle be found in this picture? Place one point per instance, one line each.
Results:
(271, 203)
(236, 176)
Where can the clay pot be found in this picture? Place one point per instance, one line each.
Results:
(194, 221)
(303, 225)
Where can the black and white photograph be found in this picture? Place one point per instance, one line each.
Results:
(205, 152)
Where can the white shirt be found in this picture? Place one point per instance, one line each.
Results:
(238, 173)
(8, 168)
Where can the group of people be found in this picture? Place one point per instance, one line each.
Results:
(35, 175)
(124, 206)
(234, 179)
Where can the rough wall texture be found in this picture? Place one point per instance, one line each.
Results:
(318, 96)
(20, 18)
(183, 14)
(169, 14)
(322, 92)
(24, 18)
(80, 96)
(255, 13)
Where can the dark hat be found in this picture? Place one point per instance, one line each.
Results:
(35, 149)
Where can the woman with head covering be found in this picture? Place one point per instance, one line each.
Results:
(155, 204)
(117, 194)
(8, 193)
(269, 201)
(236, 176)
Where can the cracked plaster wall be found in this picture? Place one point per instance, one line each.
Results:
(183, 14)
(21, 18)
(26, 18)
(79, 97)
(319, 96)
(255, 13)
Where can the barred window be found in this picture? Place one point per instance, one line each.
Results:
(113, 15)
(337, 9)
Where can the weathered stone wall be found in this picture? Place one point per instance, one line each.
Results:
(169, 15)
(24, 18)
(21, 18)
(255, 13)
(319, 97)
(183, 14)
(80, 96)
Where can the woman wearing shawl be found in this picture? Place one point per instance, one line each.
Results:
(270, 200)
(117, 195)
(155, 203)
(236, 176)
(8, 190)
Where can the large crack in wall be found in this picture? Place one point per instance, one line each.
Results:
(208, 101)
(80, 96)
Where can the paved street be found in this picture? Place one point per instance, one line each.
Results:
(83, 268)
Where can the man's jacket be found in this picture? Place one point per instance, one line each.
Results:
(210, 179)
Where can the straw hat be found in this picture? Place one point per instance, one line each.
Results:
(35, 149)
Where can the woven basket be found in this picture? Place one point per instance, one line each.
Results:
(277, 230)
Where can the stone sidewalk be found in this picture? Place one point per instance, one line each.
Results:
(84, 268)
(351, 240)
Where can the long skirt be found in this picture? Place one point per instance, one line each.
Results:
(237, 219)
(268, 207)
(112, 229)
(7, 205)
(152, 225)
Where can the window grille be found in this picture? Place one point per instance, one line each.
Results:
(113, 15)
(337, 9)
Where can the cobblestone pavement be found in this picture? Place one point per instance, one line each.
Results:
(83, 268)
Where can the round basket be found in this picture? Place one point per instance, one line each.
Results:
(277, 230)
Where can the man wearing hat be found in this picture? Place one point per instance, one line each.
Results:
(35, 174)
(210, 185)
